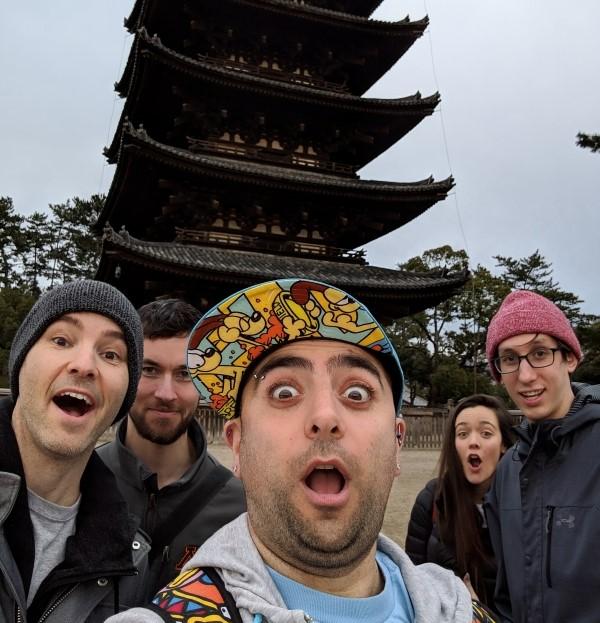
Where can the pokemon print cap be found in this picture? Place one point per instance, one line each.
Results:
(236, 333)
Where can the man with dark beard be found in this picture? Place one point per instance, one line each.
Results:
(179, 491)
(311, 388)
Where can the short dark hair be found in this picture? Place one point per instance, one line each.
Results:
(167, 318)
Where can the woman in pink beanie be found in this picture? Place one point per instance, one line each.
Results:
(541, 510)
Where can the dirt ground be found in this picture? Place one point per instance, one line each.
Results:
(417, 467)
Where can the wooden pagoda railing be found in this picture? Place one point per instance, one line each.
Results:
(255, 153)
(287, 247)
(267, 72)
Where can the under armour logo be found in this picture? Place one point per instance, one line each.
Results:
(569, 521)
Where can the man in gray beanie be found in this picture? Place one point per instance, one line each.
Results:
(68, 547)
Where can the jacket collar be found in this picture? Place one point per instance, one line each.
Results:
(134, 471)
(101, 545)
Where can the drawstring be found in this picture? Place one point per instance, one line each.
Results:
(553, 432)
(116, 594)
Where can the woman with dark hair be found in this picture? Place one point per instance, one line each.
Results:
(447, 525)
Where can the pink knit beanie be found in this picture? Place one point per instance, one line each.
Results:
(528, 312)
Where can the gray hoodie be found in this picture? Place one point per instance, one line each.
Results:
(437, 595)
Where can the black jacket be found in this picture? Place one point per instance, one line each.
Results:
(424, 543)
(544, 518)
(201, 509)
(105, 560)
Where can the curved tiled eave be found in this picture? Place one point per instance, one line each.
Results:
(388, 288)
(401, 114)
(148, 13)
(206, 71)
(395, 203)
(381, 43)
(139, 144)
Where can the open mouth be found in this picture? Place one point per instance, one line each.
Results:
(73, 403)
(474, 460)
(325, 479)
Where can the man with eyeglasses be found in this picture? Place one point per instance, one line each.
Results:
(543, 510)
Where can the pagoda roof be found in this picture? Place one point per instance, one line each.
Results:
(342, 31)
(385, 290)
(401, 201)
(143, 10)
(206, 70)
(393, 117)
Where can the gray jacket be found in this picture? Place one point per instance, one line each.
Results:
(206, 497)
(543, 514)
(437, 595)
(105, 560)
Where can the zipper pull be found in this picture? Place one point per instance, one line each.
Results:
(165, 554)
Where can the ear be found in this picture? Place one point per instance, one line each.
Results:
(571, 362)
(400, 435)
(232, 431)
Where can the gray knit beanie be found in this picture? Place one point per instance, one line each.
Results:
(80, 296)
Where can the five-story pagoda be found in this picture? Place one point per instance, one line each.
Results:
(238, 148)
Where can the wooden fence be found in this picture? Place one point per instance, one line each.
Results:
(424, 427)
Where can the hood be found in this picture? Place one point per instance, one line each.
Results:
(551, 432)
(438, 596)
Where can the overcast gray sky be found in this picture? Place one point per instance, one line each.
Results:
(518, 79)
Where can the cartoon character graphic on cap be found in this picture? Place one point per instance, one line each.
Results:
(241, 328)
(339, 310)
(223, 345)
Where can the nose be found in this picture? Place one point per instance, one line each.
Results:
(83, 361)
(526, 372)
(165, 389)
(473, 440)
(324, 419)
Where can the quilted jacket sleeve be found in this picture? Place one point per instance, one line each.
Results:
(420, 524)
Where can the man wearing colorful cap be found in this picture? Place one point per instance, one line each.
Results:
(543, 509)
(311, 388)
(69, 550)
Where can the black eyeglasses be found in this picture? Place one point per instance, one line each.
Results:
(538, 358)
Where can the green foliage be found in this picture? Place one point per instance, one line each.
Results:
(39, 251)
(588, 333)
(535, 273)
(75, 251)
(11, 242)
(442, 349)
(14, 305)
(589, 141)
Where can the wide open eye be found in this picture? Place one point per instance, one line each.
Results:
(358, 393)
(60, 340)
(112, 355)
(284, 392)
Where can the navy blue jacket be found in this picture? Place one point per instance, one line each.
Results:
(543, 513)
(424, 543)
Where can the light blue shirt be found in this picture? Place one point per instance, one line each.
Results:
(392, 605)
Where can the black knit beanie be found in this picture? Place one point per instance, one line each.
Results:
(80, 296)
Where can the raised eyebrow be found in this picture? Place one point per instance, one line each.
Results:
(283, 362)
(354, 361)
(114, 334)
